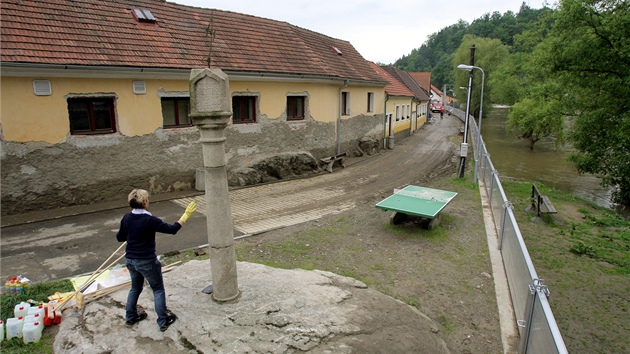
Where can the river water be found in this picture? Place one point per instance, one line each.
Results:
(545, 164)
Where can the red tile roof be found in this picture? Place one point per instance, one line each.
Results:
(423, 79)
(408, 81)
(437, 90)
(394, 87)
(106, 33)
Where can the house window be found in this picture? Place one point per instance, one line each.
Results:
(345, 103)
(91, 115)
(370, 102)
(404, 112)
(175, 112)
(408, 111)
(397, 113)
(244, 109)
(295, 107)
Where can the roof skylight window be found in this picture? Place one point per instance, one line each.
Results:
(143, 15)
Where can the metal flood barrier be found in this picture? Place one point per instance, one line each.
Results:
(535, 321)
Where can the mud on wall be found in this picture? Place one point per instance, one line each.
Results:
(93, 169)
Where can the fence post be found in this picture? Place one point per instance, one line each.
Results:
(538, 286)
(484, 157)
(507, 205)
(494, 173)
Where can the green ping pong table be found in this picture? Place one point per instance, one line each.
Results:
(417, 201)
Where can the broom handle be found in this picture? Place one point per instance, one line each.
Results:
(94, 275)
(107, 260)
(110, 257)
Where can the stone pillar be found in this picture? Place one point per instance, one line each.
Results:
(210, 112)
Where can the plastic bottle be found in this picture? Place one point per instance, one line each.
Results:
(21, 309)
(14, 282)
(25, 284)
(8, 287)
(1, 330)
(19, 288)
(34, 318)
(37, 309)
(31, 333)
(11, 289)
(14, 327)
(40, 324)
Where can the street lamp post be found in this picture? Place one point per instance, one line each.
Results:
(463, 151)
(478, 147)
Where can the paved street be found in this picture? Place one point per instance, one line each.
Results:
(53, 244)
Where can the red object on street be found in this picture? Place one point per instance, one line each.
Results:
(437, 106)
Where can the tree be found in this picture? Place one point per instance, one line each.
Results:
(589, 49)
(436, 54)
(514, 78)
(524, 81)
(489, 54)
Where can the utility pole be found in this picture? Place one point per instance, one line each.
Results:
(464, 147)
(444, 96)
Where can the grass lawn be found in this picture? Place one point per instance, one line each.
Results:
(583, 254)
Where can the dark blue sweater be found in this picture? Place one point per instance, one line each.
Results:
(139, 232)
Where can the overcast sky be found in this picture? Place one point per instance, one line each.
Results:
(381, 30)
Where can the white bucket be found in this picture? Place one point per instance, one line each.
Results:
(31, 333)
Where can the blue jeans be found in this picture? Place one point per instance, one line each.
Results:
(151, 270)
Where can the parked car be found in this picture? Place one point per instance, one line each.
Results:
(436, 107)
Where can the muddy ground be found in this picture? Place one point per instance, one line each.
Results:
(445, 273)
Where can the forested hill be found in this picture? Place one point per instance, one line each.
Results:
(436, 54)
(565, 72)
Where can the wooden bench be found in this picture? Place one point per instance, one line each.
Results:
(541, 203)
(330, 161)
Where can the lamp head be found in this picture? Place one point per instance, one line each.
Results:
(465, 67)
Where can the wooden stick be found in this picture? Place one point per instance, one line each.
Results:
(82, 299)
(95, 275)
(110, 257)
(98, 272)
(106, 291)
(92, 277)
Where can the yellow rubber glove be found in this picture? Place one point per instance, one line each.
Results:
(189, 210)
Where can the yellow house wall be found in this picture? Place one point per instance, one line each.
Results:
(273, 97)
(402, 124)
(45, 118)
(422, 114)
(359, 100)
(323, 98)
